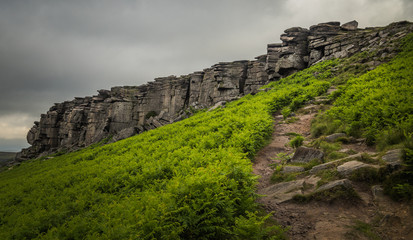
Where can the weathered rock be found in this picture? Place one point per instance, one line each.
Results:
(394, 160)
(350, 26)
(345, 183)
(86, 120)
(124, 133)
(324, 166)
(392, 156)
(333, 137)
(292, 169)
(305, 154)
(220, 104)
(285, 191)
(348, 168)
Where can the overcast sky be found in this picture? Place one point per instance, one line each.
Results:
(52, 51)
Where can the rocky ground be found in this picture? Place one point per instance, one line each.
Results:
(337, 199)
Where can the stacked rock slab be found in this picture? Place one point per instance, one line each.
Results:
(124, 111)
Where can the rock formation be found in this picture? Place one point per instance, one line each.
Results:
(124, 111)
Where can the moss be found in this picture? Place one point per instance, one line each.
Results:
(367, 175)
(326, 176)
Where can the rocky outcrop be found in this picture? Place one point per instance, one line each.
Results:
(124, 111)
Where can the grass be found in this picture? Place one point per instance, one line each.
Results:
(327, 176)
(361, 229)
(296, 141)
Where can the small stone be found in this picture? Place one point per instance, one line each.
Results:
(377, 191)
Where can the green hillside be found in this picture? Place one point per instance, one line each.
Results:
(193, 179)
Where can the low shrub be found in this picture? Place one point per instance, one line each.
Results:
(296, 142)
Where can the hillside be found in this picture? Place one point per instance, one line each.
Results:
(194, 179)
(122, 112)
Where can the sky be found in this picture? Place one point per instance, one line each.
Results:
(52, 51)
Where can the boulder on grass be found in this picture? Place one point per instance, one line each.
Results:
(305, 155)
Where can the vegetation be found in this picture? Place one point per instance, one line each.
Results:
(378, 106)
(375, 105)
(296, 141)
(151, 114)
(188, 180)
(193, 179)
(331, 195)
(359, 229)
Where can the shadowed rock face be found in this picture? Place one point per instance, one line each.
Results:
(124, 111)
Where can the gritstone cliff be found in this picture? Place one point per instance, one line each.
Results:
(124, 111)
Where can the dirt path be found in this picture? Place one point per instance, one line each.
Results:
(320, 220)
(279, 144)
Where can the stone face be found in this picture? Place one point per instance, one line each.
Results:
(305, 154)
(87, 120)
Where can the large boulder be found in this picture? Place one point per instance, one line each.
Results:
(305, 154)
(350, 26)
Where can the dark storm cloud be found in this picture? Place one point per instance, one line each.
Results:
(51, 51)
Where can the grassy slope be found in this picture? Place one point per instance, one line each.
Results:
(190, 180)
(377, 105)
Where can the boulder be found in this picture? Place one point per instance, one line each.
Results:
(285, 191)
(333, 137)
(305, 154)
(345, 183)
(350, 26)
(393, 156)
(324, 166)
(394, 160)
(348, 168)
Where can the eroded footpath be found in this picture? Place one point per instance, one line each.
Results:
(332, 198)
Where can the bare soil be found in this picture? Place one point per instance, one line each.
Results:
(322, 220)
